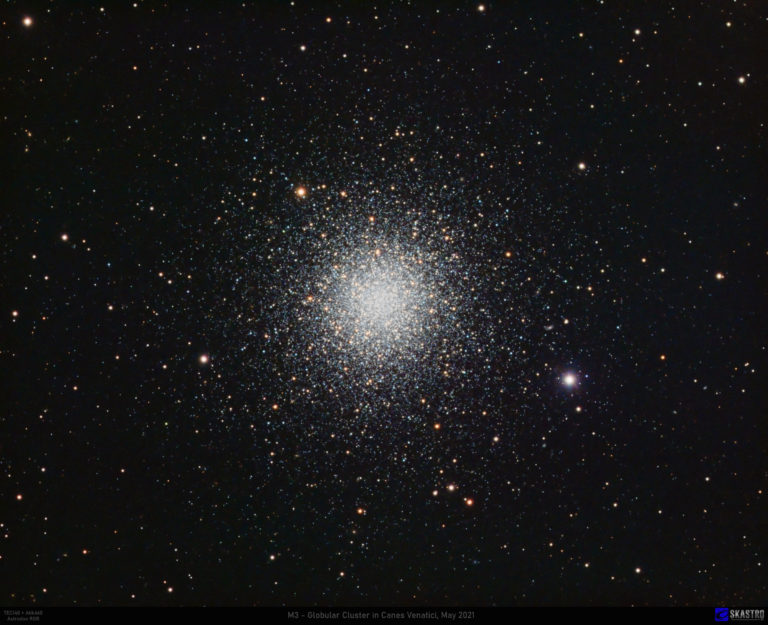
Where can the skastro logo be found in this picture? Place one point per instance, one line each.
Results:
(739, 614)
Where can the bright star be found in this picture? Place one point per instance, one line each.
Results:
(570, 380)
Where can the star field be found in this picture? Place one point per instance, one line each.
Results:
(398, 303)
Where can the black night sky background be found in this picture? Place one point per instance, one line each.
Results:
(383, 303)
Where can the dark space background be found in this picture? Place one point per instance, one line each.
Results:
(569, 407)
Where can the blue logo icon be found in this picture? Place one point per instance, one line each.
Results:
(721, 614)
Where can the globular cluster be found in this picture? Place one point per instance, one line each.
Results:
(382, 304)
